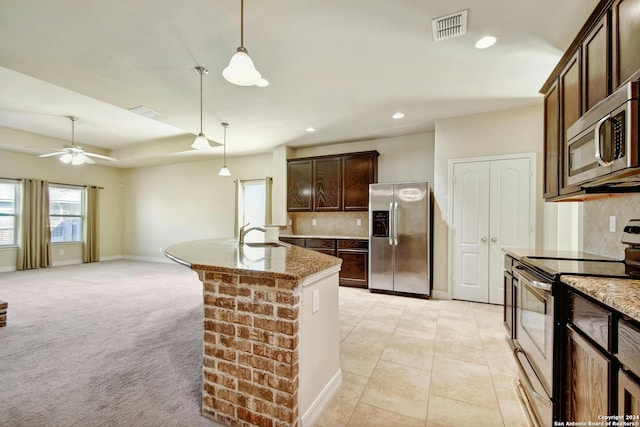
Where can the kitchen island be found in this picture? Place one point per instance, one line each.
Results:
(271, 331)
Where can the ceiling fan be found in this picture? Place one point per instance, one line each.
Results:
(74, 154)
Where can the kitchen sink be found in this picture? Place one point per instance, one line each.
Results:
(266, 244)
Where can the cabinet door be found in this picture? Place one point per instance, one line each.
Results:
(626, 33)
(299, 186)
(354, 268)
(628, 396)
(595, 76)
(588, 379)
(551, 146)
(327, 183)
(569, 112)
(359, 170)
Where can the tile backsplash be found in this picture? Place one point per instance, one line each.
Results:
(329, 223)
(596, 235)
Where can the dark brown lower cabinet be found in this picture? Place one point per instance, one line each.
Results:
(628, 396)
(588, 379)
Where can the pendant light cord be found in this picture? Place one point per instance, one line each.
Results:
(200, 71)
(224, 147)
(242, 23)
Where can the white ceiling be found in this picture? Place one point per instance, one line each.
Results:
(343, 67)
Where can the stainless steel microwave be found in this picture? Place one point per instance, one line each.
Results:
(604, 140)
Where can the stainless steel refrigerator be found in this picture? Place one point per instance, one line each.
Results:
(400, 238)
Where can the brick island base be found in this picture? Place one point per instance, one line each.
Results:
(3, 313)
(253, 349)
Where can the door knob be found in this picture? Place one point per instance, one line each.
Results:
(483, 240)
(493, 239)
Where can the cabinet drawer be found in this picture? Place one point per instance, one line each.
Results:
(321, 243)
(629, 346)
(353, 244)
(293, 241)
(592, 319)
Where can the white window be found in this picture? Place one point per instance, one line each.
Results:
(8, 208)
(66, 213)
(254, 202)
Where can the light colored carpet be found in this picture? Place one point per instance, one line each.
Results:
(115, 343)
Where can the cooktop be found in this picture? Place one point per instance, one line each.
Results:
(601, 268)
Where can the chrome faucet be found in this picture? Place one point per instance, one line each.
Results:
(244, 230)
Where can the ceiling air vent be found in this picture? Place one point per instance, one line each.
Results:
(447, 27)
(144, 111)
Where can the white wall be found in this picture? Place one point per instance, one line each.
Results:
(518, 130)
(16, 166)
(175, 203)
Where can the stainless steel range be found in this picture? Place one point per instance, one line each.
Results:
(539, 331)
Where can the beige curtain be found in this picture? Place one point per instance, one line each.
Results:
(91, 251)
(34, 250)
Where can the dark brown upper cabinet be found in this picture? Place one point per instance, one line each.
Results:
(327, 184)
(603, 56)
(570, 110)
(625, 35)
(551, 146)
(299, 185)
(358, 171)
(595, 70)
(331, 183)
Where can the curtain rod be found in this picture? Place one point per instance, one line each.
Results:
(55, 183)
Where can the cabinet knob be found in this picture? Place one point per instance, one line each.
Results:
(493, 239)
(483, 240)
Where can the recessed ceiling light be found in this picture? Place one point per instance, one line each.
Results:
(485, 42)
(310, 129)
(398, 115)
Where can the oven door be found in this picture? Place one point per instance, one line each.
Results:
(534, 323)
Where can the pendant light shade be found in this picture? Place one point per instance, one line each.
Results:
(224, 171)
(241, 70)
(201, 142)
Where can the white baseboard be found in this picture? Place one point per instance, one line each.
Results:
(66, 262)
(148, 259)
(111, 258)
(320, 403)
(7, 269)
(440, 295)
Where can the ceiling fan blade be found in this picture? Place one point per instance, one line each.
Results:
(99, 156)
(52, 154)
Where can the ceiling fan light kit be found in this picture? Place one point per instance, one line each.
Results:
(74, 154)
(241, 71)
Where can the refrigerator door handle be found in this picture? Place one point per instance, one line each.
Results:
(395, 224)
(391, 231)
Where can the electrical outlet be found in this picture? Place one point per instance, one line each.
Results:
(359, 222)
(313, 222)
(315, 301)
(290, 222)
(612, 224)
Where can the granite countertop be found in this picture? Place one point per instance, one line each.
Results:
(314, 236)
(622, 295)
(286, 262)
(519, 253)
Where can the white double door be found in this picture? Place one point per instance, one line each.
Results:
(492, 209)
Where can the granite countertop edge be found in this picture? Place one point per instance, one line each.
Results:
(622, 295)
(285, 262)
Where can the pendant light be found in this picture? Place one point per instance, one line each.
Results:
(224, 171)
(241, 70)
(201, 142)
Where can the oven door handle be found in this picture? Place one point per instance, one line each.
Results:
(532, 280)
(526, 379)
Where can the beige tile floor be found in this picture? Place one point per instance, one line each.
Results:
(409, 362)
